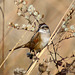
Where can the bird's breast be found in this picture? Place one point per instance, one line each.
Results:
(44, 39)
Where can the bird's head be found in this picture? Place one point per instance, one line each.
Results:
(43, 28)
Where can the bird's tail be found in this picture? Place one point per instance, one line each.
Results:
(22, 46)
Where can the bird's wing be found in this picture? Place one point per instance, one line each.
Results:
(36, 38)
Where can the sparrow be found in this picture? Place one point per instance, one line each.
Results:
(38, 41)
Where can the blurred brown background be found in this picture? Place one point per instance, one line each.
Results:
(53, 11)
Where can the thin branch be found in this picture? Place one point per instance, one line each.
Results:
(51, 55)
(3, 29)
(3, 16)
(64, 39)
(54, 51)
(3, 34)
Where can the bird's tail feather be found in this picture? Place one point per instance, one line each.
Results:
(22, 46)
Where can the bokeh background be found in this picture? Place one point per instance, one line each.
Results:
(53, 11)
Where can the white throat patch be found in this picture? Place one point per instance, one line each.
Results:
(43, 31)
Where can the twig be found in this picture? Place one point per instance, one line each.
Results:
(52, 57)
(3, 32)
(3, 29)
(2, 35)
(64, 39)
(54, 51)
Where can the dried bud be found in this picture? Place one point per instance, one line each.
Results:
(66, 29)
(16, 25)
(19, 13)
(19, 71)
(63, 19)
(26, 17)
(24, 2)
(39, 17)
(35, 13)
(72, 27)
(31, 9)
(42, 67)
(24, 26)
(63, 26)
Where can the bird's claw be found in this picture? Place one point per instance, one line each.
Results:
(30, 55)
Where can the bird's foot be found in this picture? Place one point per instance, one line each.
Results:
(30, 55)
